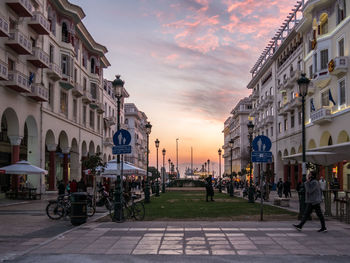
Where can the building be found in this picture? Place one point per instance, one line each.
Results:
(236, 129)
(51, 101)
(136, 121)
(110, 118)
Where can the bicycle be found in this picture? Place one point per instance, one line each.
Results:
(135, 210)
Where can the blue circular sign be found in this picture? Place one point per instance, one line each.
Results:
(261, 143)
(121, 137)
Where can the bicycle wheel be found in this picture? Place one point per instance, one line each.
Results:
(139, 211)
(54, 211)
(90, 209)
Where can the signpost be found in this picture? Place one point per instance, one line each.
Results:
(261, 154)
(121, 140)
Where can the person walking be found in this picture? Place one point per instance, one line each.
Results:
(280, 187)
(61, 188)
(335, 187)
(313, 199)
(286, 188)
(209, 189)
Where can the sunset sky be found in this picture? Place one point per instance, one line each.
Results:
(185, 63)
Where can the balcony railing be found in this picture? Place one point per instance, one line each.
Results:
(77, 91)
(3, 71)
(39, 58)
(295, 103)
(39, 23)
(110, 120)
(18, 81)
(67, 82)
(54, 71)
(22, 8)
(4, 28)
(108, 141)
(100, 108)
(19, 43)
(338, 65)
(39, 92)
(87, 98)
(321, 115)
(321, 79)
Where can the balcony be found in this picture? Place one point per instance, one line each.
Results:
(39, 23)
(268, 120)
(108, 141)
(281, 110)
(269, 99)
(292, 80)
(4, 28)
(321, 79)
(39, 58)
(295, 103)
(124, 126)
(23, 8)
(94, 104)
(77, 91)
(3, 71)
(39, 92)
(54, 72)
(18, 81)
(19, 43)
(100, 108)
(255, 95)
(338, 66)
(87, 98)
(67, 82)
(110, 120)
(320, 116)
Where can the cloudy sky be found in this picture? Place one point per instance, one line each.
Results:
(186, 63)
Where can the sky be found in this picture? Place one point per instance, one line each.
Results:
(185, 63)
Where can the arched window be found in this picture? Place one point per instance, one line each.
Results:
(126, 121)
(341, 11)
(323, 27)
(92, 65)
(65, 33)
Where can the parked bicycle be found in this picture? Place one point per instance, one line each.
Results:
(132, 209)
(104, 199)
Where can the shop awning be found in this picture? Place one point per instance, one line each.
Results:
(325, 155)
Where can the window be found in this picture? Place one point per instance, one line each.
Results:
(51, 92)
(65, 33)
(93, 90)
(92, 119)
(324, 25)
(92, 65)
(64, 103)
(285, 124)
(341, 11)
(325, 98)
(271, 131)
(324, 59)
(341, 85)
(11, 64)
(75, 109)
(98, 123)
(75, 75)
(315, 63)
(341, 47)
(65, 64)
(299, 117)
(84, 84)
(292, 120)
(311, 76)
(51, 53)
(312, 105)
(84, 115)
(279, 127)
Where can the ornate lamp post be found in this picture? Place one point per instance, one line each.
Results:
(231, 143)
(163, 171)
(208, 166)
(177, 158)
(303, 83)
(148, 127)
(169, 161)
(250, 137)
(157, 182)
(118, 86)
(219, 152)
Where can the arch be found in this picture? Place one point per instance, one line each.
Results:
(74, 146)
(343, 137)
(98, 149)
(104, 158)
(63, 140)
(50, 138)
(300, 149)
(84, 149)
(292, 151)
(325, 138)
(311, 144)
(109, 157)
(11, 121)
(91, 148)
(285, 153)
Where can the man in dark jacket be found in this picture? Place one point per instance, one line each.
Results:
(61, 188)
(209, 188)
(280, 187)
(313, 199)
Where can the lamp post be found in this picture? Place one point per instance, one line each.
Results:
(250, 137)
(157, 183)
(177, 158)
(231, 143)
(303, 83)
(169, 161)
(118, 86)
(148, 127)
(208, 166)
(163, 170)
(219, 152)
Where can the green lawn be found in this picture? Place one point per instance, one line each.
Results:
(191, 205)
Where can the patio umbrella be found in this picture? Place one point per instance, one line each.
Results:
(128, 169)
(321, 158)
(22, 167)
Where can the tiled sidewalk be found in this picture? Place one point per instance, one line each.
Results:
(190, 238)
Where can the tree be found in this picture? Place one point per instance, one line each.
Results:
(154, 172)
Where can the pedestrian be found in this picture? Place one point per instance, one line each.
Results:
(335, 188)
(61, 188)
(68, 187)
(209, 189)
(280, 187)
(73, 186)
(81, 186)
(313, 199)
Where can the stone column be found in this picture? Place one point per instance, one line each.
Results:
(52, 165)
(83, 175)
(292, 176)
(65, 152)
(15, 145)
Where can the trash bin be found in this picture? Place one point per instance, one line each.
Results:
(78, 208)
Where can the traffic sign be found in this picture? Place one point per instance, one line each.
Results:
(261, 157)
(261, 143)
(121, 149)
(122, 137)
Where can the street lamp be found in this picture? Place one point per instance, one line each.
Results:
(157, 183)
(208, 166)
(219, 152)
(169, 161)
(163, 170)
(177, 158)
(148, 127)
(250, 136)
(303, 83)
(231, 143)
(118, 86)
